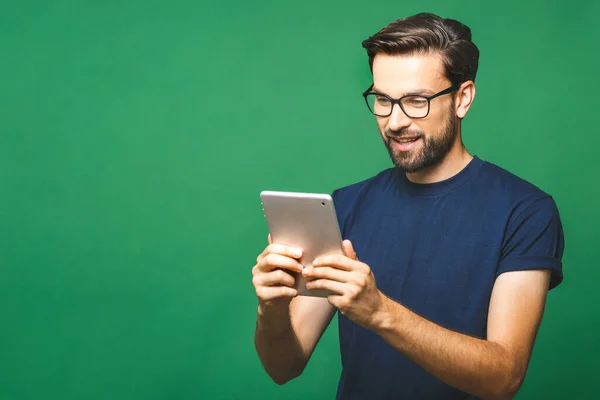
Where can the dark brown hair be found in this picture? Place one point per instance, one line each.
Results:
(429, 33)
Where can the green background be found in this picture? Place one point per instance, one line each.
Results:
(135, 139)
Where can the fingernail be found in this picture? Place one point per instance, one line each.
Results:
(316, 262)
(297, 253)
(300, 267)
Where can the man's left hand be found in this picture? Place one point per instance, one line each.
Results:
(353, 284)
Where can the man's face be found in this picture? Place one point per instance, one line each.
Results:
(415, 144)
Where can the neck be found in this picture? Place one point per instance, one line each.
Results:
(457, 158)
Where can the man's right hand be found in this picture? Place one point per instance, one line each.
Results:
(271, 276)
(286, 331)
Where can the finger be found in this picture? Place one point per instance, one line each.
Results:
(349, 250)
(288, 251)
(330, 273)
(270, 239)
(277, 277)
(273, 261)
(326, 284)
(336, 261)
(338, 301)
(266, 293)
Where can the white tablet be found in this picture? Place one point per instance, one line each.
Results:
(307, 221)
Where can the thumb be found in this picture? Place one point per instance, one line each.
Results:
(349, 250)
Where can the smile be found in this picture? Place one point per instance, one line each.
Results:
(405, 143)
(406, 139)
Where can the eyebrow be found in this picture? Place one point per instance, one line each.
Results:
(413, 92)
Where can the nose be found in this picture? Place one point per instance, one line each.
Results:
(398, 120)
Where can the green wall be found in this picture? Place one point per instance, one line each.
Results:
(135, 138)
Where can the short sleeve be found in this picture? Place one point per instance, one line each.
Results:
(535, 240)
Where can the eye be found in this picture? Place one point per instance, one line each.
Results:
(382, 100)
(417, 102)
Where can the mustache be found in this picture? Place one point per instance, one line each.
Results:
(403, 133)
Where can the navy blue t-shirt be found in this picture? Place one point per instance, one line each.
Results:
(438, 249)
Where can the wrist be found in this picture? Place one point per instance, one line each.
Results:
(385, 315)
(274, 308)
(273, 318)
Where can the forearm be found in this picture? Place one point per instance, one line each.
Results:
(278, 346)
(479, 367)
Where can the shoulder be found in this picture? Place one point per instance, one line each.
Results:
(346, 197)
(350, 198)
(514, 192)
(360, 187)
(509, 181)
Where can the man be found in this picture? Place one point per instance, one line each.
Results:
(448, 258)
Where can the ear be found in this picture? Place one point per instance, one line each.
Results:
(464, 98)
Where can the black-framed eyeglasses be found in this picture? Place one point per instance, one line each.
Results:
(414, 106)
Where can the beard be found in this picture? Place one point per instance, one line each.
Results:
(432, 152)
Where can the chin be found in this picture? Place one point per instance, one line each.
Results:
(415, 163)
(409, 162)
(410, 168)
